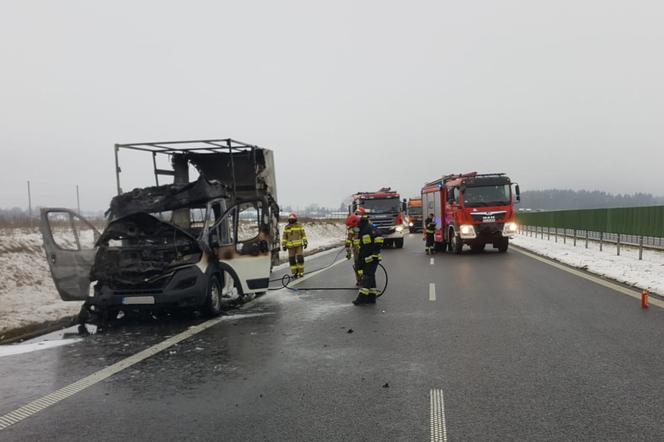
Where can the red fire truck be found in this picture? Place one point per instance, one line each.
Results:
(385, 210)
(473, 209)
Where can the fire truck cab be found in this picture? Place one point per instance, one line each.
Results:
(472, 209)
(385, 210)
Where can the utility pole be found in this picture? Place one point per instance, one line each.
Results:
(78, 201)
(29, 204)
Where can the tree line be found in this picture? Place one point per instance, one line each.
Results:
(560, 199)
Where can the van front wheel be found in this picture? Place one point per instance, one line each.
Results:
(213, 299)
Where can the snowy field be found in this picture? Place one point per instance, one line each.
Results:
(626, 268)
(28, 295)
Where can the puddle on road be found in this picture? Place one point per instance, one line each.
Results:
(17, 349)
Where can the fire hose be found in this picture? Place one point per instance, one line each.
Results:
(287, 279)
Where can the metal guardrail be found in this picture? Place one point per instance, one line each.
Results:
(640, 221)
(585, 236)
(642, 227)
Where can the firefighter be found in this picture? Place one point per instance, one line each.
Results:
(361, 213)
(351, 246)
(368, 257)
(294, 240)
(349, 237)
(429, 232)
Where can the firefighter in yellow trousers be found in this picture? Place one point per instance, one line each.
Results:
(353, 243)
(294, 240)
(352, 247)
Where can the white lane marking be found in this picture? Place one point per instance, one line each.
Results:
(317, 272)
(432, 291)
(309, 257)
(438, 424)
(431, 261)
(53, 398)
(595, 279)
(292, 283)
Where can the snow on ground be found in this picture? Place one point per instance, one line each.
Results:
(27, 292)
(626, 268)
(28, 295)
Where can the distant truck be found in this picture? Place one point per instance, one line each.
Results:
(414, 213)
(473, 209)
(192, 243)
(386, 211)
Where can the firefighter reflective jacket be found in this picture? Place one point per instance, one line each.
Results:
(351, 237)
(293, 236)
(369, 242)
(430, 227)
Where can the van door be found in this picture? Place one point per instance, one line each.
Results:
(69, 242)
(244, 246)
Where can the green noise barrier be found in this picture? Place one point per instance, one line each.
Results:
(642, 221)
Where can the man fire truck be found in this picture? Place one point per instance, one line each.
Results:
(473, 209)
(415, 218)
(385, 210)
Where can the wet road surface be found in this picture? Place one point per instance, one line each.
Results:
(519, 349)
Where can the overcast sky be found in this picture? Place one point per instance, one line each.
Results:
(351, 95)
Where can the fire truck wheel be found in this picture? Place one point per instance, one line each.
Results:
(503, 245)
(456, 246)
(398, 243)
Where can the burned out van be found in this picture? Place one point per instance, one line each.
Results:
(183, 244)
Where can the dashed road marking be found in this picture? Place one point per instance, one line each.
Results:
(432, 291)
(431, 261)
(438, 424)
(595, 279)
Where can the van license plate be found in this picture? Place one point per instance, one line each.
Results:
(138, 300)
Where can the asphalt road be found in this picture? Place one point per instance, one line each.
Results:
(521, 351)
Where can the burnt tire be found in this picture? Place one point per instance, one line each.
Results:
(212, 306)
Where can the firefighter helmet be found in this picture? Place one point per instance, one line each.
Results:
(353, 221)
